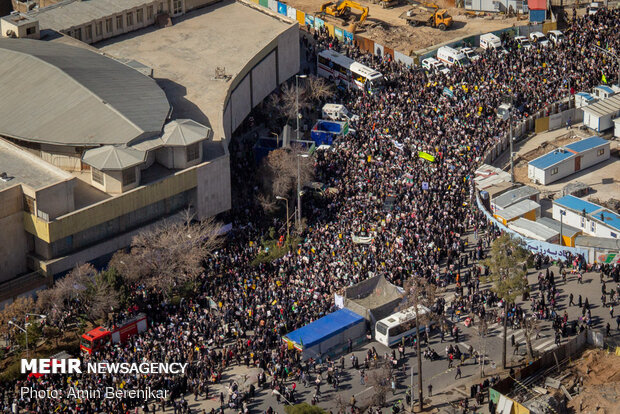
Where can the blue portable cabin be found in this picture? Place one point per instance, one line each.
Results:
(324, 132)
(327, 335)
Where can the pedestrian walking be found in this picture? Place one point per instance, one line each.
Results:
(430, 390)
(570, 300)
(458, 372)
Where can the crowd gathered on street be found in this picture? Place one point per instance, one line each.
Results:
(242, 308)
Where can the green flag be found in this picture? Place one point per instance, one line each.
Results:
(604, 79)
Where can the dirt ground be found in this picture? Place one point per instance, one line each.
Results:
(387, 28)
(601, 382)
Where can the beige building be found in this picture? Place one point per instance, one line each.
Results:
(19, 25)
(93, 21)
(92, 164)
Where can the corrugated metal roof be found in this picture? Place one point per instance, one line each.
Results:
(518, 209)
(112, 157)
(73, 13)
(604, 107)
(89, 99)
(587, 144)
(609, 218)
(605, 88)
(533, 229)
(576, 204)
(549, 159)
(514, 196)
(183, 132)
(568, 231)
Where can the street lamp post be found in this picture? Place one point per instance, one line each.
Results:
(297, 114)
(25, 328)
(277, 139)
(288, 232)
(299, 188)
(611, 54)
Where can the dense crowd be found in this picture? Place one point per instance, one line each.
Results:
(242, 308)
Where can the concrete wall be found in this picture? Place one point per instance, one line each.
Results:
(194, 4)
(264, 79)
(288, 54)
(114, 181)
(213, 195)
(55, 200)
(13, 238)
(66, 158)
(241, 102)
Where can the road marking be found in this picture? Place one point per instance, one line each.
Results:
(544, 344)
(363, 391)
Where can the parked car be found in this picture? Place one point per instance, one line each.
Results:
(594, 7)
(434, 65)
(540, 39)
(523, 42)
(556, 36)
(470, 53)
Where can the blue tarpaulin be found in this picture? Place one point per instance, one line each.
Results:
(324, 328)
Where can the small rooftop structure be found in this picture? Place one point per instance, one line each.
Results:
(577, 204)
(514, 196)
(524, 208)
(183, 132)
(534, 230)
(488, 175)
(598, 116)
(598, 242)
(589, 215)
(568, 231)
(373, 298)
(113, 157)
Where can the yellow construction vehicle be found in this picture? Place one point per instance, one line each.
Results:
(438, 18)
(343, 8)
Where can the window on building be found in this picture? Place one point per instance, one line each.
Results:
(31, 30)
(149, 13)
(583, 222)
(193, 152)
(129, 176)
(614, 235)
(129, 19)
(78, 34)
(97, 176)
(592, 226)
(177, 6)
(140, 15)
(119, 22)
(29, 204)
(99, 28)
(554, 171)
(108, 26)
(600, 152)
(88, 31)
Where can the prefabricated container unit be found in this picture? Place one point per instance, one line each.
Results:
(537, 16)
(583, 99)
(568, 233)
(599, 116)
(567, 160)
(324, 132)
(617, 127)
(603, 92)
(525, 208)
(496, 5)
(513, 196)
(591, 218)
(327, 334)
(534, 230)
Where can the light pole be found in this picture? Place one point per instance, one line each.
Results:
(25, 328)
(277, 139)
(297, 114)
(562, 214)
(612, 54)
(512, 161)
(299, 188)
(288, 232)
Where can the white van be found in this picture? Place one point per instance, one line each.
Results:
(490, 41)
(523, 42)
(470, 53)
(540, 39)
(337, 112)
(452, 57)
(434, 65)
(556, 36)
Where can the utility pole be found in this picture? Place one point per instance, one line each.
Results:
(288, 231)
(25, 328)
(297, 114)
(512, 163)
(298, 218)
(562, 212)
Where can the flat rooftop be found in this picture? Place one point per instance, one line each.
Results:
(184, 57)
(27, 169)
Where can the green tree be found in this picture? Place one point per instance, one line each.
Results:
(506, 273)
(303, 408)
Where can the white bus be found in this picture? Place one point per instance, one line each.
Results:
(390, 330)
(347, 72)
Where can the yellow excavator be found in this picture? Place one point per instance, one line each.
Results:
(342, 10)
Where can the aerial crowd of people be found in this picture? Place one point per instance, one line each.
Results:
(242, 308)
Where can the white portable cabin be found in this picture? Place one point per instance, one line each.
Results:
(490, 41)
(599, 116)
(603, 92)
(617, 127)
(583, 99)
(534, 230)
(513, 196)
(567, 160)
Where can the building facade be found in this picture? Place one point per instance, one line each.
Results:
(588, 217)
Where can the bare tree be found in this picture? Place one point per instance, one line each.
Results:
(420, 294)
(278, 173)
(289, 100)
(380, 381)
(169, 255)
(15, 311)
(507, 275)
(530, 326)
(319, 89)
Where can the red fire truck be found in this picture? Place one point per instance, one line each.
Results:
(100, 337)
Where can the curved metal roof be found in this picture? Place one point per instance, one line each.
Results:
(64, 95)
